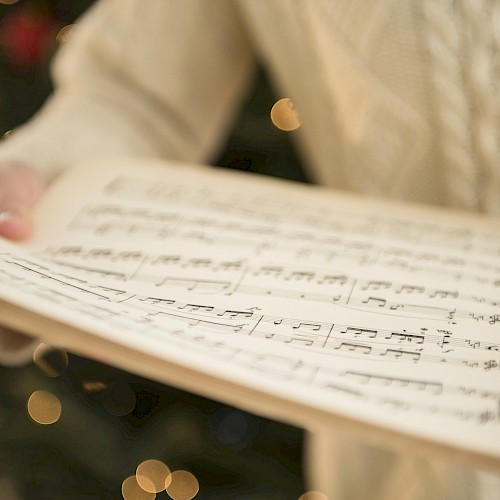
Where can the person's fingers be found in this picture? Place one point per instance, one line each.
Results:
(20, 187)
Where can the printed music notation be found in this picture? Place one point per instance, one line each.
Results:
(314, 219)
(375, 314)
(439, 346)
(250, 276)
(290, 228)
(212, 330)
(422, 345)
(248, 247)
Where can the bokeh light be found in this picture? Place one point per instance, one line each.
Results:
(118, 399)
(94, 385)
(44, 407)
(51, 361)
(64, 33)
(183, 485)
(313, 495)
(184, 429)
(153, 476)
(233, 427)
(131, 490)
(284, 116)
(7, 134)
(8, 2)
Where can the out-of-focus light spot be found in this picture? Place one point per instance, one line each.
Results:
(64, 33)
(232, 427)
(7, 134)
(183, 485)
(131, 490)
(184, 429)
(313, 495)
(284, 116)
(153, 476)
(94, 385)
(25, 37)
(118, 399)
(8, 2)
(51, 361)
(44, 407)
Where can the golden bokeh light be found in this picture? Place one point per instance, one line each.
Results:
(183, 485)
(284, 116)
(153, 476)
(8, 2)
(94, 385)
(184, 429)
(313, 495)
(131, 490)
(51, 361)
(44, 407)
(64, 33)
(118, 399)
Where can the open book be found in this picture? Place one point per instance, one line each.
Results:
(291, 301)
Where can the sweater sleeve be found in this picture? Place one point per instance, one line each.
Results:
(157, 78)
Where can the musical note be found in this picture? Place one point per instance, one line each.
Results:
(315, 327)
(195, 308)
(376, 285)
(402, 354)
(406, 337)
(355, 348)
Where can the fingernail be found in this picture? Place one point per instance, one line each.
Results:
(11, 215)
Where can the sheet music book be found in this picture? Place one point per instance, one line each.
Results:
(296, 302)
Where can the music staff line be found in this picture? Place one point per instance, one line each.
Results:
(126, 321)
(445, 341)
(347, 291)
(290, 272)
(344, 346)
(271, 209)
(331, 244)
(286, 244)
(304, 334)
(320, 331)
(399, 353)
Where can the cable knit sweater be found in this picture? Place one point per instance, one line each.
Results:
(397, 98)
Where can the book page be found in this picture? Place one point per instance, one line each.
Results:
(293, 301)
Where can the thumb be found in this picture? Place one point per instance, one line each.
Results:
(20, 187)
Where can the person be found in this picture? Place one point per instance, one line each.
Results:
(396, 99)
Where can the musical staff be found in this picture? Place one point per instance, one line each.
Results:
(249, 276)
(339, 307)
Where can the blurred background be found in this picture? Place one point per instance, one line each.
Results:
(102, 422)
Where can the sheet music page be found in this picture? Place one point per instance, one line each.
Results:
(386, 314)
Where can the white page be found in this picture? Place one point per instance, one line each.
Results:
(371, 314)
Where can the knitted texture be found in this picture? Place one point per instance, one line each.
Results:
(481, 27)
(463, 41)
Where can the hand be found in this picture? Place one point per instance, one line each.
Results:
(20, 188)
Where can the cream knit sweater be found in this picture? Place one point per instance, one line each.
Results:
(397, 99)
